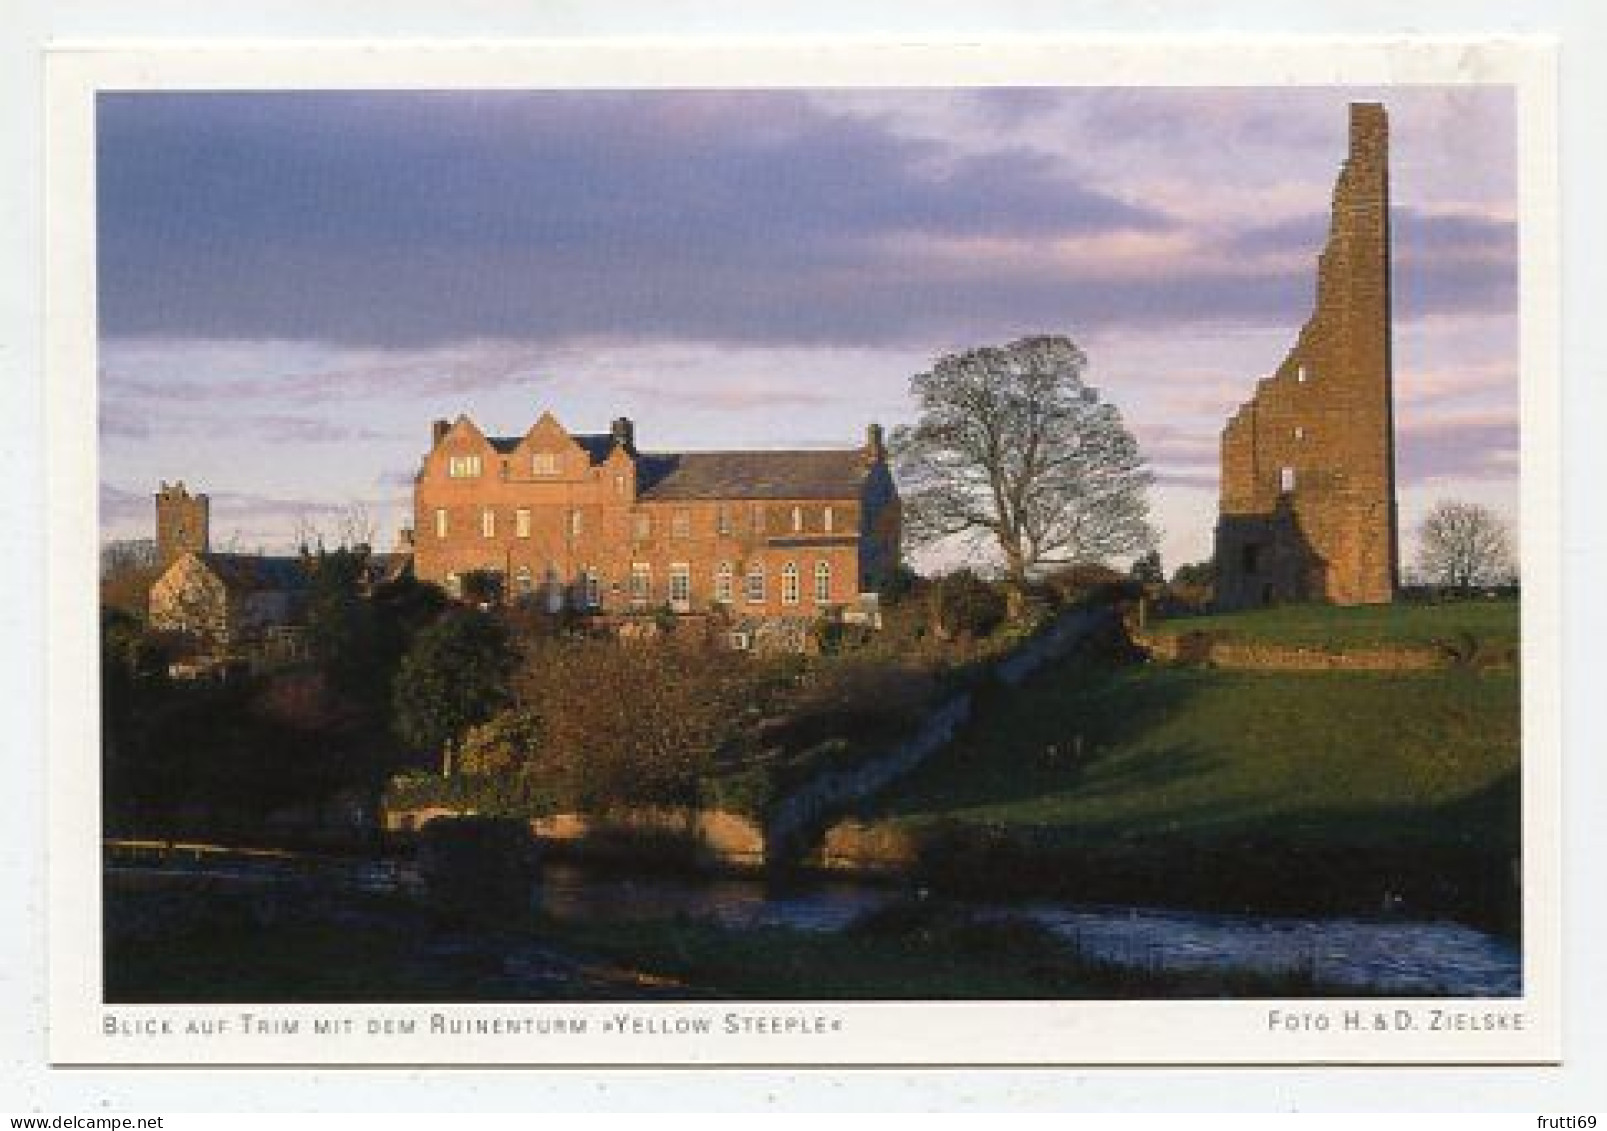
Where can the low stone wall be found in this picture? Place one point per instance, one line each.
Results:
(867, 848)
(806, 810)
(705, 837)
(1203, 648)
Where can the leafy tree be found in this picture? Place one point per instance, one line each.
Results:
(1201, 574)
(455, 675)
(1463, 545)
(340, 623)
(1012, 447)
(1147, 568)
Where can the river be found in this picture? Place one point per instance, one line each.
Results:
(1395, 956)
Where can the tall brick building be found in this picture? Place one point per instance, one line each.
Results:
(1308, 464)
(589, 522)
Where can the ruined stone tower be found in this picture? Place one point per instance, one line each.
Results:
(1308, 464)
(181, 523)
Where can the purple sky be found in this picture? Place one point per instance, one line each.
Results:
(292, 285)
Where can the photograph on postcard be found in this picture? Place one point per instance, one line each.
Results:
(1035, 543)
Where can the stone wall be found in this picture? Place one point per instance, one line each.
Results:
(1203, 648)
(1308, 509)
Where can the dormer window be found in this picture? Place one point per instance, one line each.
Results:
(463, 467)
(544, 463)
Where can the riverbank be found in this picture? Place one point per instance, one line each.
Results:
(213, 942)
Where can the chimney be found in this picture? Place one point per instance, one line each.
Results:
(624, 433)
(875, 443)
(438, 430)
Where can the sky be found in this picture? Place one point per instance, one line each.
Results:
(292, 285)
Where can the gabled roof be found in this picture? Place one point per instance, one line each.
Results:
(811, 474)
(596, 445)
(255, 573)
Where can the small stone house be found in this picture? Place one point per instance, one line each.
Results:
(230, 599)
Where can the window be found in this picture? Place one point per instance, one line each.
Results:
(755, 586)
(822, 582)
(1301, 375)
(619, 486)
(722, 583)
(544, 463)
(553, 586)
(454, 586)
(641, 583)
(757, 518)
(488, 523)
(642, 526)
(526, 583)
(680, 525)
(575, 524)
(722, 521)
(789, 583)
(463, 467)
(680, 585)
(440, 522)
(1286, 479)
(828, 520)
(1300, 433)
(797, 520)
(521, 523)
(594, 595)
(1250, 557)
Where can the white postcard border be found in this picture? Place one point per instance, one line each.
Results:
(83, 1031)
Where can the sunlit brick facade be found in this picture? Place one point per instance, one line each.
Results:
(589, 522)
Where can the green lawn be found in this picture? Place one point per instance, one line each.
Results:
(1490, 622)
(1263, 790)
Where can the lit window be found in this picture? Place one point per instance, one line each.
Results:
(789, 584)
(594, 596)
(828, 520)
(574, 524)
(722, 583)
(797, 520)
(521, 522)
(1301, 374)
(544, 463)
(1300, 433)
(822, 582)
(755, 589)
(488, 523)
(463, 467)
(1286, 479)
(680, 525)
(680, 584)
(642, 525)
(440, 522)
(641, 583)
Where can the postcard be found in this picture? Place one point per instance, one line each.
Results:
(1023, 552)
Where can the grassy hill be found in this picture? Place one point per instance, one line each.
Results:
(1297, 791)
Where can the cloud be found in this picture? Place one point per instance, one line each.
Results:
(414, 218)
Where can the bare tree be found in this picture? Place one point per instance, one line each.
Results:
(1013, 448)
(1464, 544)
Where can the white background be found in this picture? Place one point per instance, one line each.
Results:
(26, 1084)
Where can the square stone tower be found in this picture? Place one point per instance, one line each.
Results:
(181, 523)
(1308, 464)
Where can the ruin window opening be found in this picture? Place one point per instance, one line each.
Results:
(1250, 558)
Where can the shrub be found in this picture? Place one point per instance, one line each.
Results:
(964, 604)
